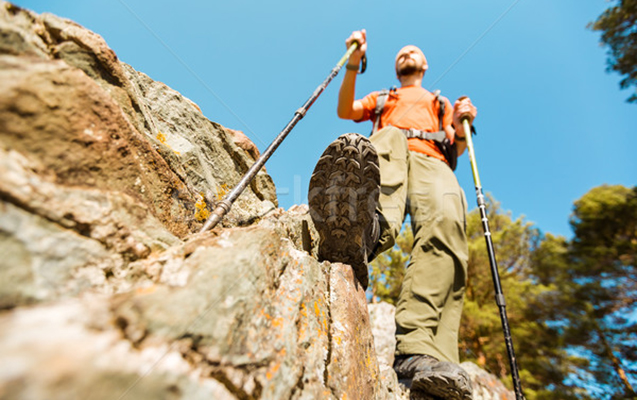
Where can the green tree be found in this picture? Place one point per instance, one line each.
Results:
(388, 269)
(618, 25)
(543, 362)
(592, 304)
(601, 313)
(550, 263)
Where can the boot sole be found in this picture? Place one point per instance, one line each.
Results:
(343, 194)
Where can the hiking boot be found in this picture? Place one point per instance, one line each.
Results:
(343, 196)
(429, 378)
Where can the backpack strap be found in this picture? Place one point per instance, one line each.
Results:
(444, 145)
(441, 110)
(380, 105)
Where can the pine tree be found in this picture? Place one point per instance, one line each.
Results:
(603, 290)
(618, 25)
(594, 290)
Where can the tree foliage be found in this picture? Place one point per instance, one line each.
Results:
(618, 25)
(388, 269)
(600, 308)
(543, 362)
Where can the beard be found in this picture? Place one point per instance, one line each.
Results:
(408, 69)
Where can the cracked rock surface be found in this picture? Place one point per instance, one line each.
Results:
(106, 290)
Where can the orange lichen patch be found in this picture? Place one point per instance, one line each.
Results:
(303, 310)
(201, 209)
(275, 365)
(162, 139)
(368, 360)
(146, 290)
(222, 191)
(303, 323)
(317, 309)
(322, 320)
(263, 314)
(272, 371)
(277, 322)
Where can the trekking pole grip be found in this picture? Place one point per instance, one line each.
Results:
(351, 49)
(465, 118)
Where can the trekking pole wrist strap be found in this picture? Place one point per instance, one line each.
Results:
(363, 65)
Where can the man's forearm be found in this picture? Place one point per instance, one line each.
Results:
(461, 146)
(346, 95)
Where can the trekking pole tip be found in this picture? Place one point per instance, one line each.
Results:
(216, 216)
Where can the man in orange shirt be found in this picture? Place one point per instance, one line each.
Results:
(362, 189)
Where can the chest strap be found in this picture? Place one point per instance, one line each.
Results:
(415, 133)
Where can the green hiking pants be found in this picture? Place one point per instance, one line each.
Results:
(430, 304)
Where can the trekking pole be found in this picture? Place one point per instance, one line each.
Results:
(499, 295)
(225, 204)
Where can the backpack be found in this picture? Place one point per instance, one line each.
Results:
(439, 138)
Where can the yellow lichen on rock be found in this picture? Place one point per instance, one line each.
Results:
(162, 139)
(223, 190)
(201, 209)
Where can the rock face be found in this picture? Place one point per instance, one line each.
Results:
(107, 292)
(106, 164)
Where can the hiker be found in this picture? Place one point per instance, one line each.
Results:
(361, 191)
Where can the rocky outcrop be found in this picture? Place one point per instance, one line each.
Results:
(106, 291)
(263, 321)
(106, 163)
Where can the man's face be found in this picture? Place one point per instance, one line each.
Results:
(409, 60)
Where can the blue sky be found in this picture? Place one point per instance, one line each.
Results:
(552, 124)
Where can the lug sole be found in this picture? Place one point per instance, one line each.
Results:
(343, 195)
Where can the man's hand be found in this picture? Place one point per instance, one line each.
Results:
(361, 38)
(348, 107)
(462, 109)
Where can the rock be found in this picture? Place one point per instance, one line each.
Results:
(240, 139)
(105, 290)
(93, 121)
(267, 322)
(100, 157)
(201, 152)
(384, 330)
(486, 386)
(69, 350)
